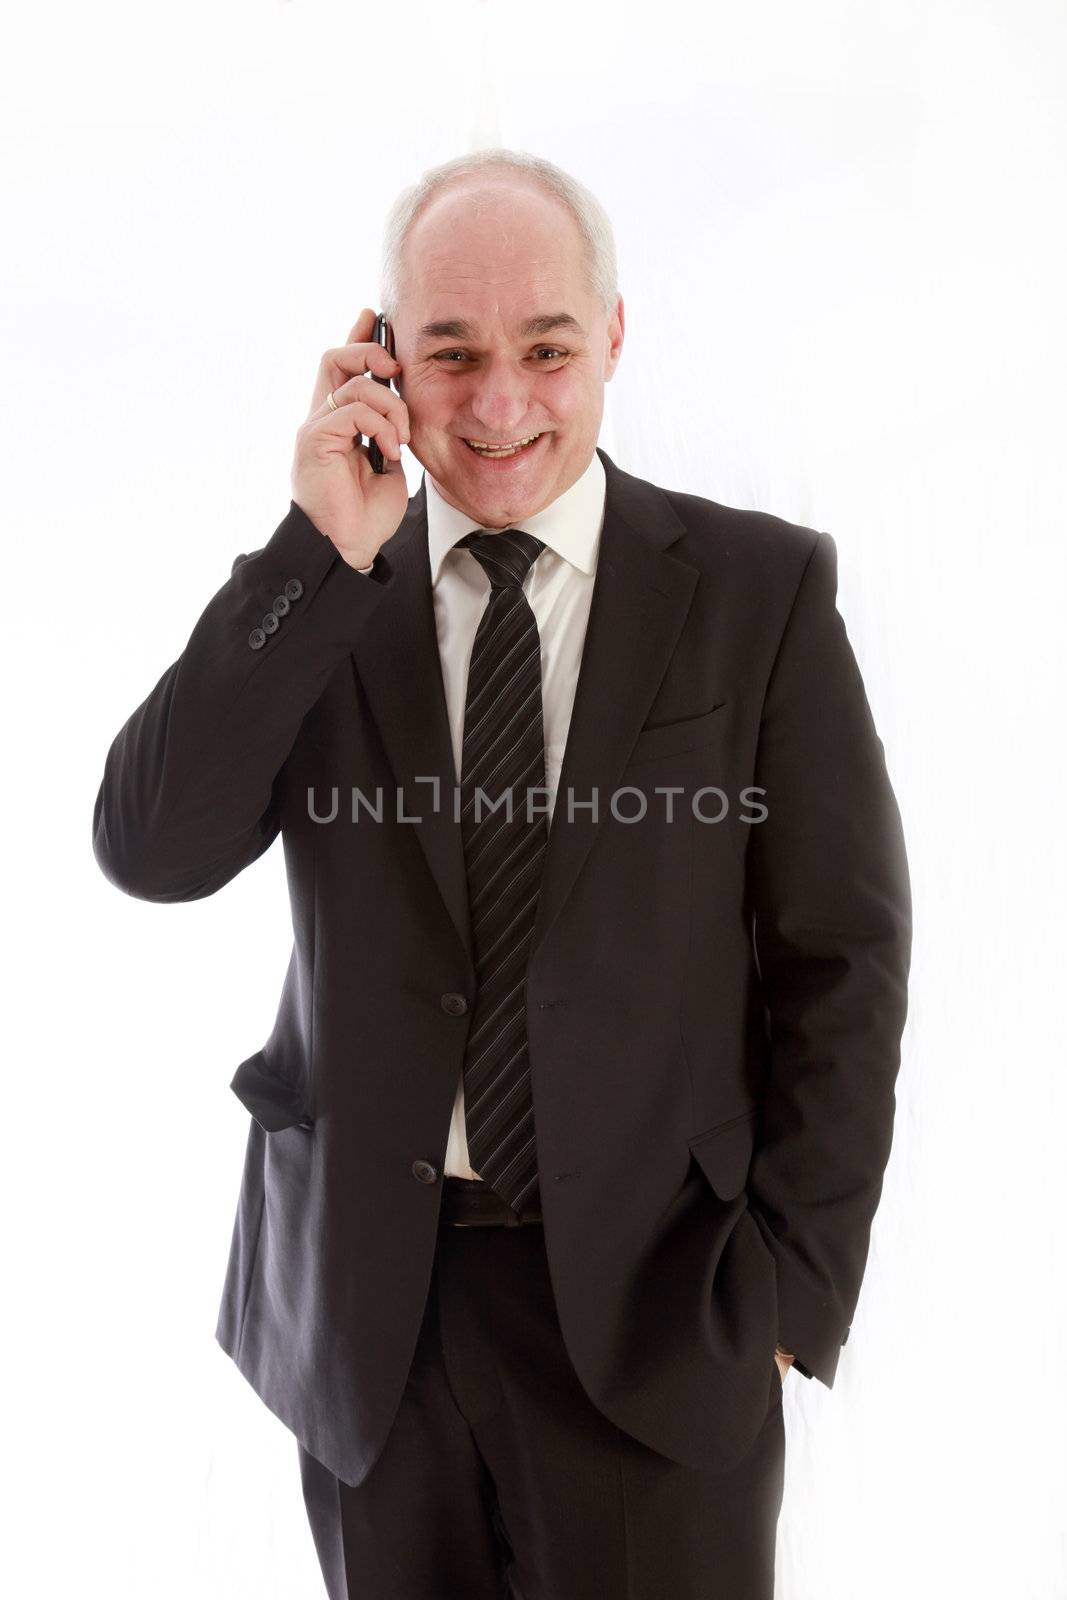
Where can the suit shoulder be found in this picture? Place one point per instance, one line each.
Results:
(753, 539)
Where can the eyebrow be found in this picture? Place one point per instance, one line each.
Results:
(458, 328)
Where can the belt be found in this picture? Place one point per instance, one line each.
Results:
(470, 1203)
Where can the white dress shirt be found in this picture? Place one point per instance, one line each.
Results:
(559, 588)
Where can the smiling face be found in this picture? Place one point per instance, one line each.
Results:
(499, 337)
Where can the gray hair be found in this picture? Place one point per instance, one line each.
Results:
(593, 222)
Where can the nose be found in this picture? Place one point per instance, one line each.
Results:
(499, 400)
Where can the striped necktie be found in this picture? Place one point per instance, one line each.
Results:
(503, 755)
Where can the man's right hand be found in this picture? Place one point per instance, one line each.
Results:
(333, 482)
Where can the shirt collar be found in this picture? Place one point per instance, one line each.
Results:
(570, 525)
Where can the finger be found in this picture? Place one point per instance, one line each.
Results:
(373, 394)
(360, 354)
(363, 327)
(341, 426)
(352, 360)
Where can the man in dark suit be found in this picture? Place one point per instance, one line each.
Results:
(571, 1129)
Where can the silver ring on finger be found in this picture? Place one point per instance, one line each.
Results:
(331, 402)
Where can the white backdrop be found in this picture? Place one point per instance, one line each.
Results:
(842, 248)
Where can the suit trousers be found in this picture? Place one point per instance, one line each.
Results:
(500, 1480)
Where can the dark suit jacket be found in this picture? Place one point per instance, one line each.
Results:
(714, 1009)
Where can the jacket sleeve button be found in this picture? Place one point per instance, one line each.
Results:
(294, 589)
(281, 607)
(425, 1171)
(257, 639)
(270, 623)
(454, 1004)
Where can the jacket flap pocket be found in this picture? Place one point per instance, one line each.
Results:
(725, 1151)
(676, 738)
(273, 1102)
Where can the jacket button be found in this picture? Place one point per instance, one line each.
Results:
(425, 1171)
(270, 623)
(257, 639)
(281, 606)
(454, 1004)
(294, 589)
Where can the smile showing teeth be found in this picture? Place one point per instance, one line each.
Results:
(500, 450)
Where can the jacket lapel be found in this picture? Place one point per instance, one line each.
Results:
(641, 596)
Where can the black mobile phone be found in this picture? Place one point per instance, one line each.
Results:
(383, 335)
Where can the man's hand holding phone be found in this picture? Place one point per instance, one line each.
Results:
(333, 481)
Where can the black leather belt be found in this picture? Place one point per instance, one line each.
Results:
(470, 1203)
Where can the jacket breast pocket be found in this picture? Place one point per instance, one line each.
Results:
(275, 1103)
(675, 738)
(724, 1152)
